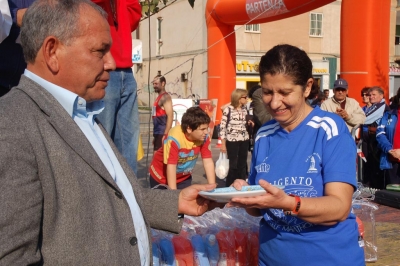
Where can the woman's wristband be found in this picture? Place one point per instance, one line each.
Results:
(296, 208)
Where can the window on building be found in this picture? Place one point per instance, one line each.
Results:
(316, 24)
(159, 40)
(253, 28)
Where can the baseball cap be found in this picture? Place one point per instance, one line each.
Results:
(340, 83)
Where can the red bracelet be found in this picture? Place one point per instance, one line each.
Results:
(296, 208)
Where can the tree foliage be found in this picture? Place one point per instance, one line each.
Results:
(150, 7)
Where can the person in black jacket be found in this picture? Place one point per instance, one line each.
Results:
(12, 62)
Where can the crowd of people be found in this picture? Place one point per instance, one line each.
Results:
(69, 139)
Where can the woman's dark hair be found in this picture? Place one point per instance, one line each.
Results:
(193, 118)
(365, 90)
(315, 91)
(288, 60)
(396, 100)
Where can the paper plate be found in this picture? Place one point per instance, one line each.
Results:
(225, 194)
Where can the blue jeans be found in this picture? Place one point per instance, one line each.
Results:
(120, 116)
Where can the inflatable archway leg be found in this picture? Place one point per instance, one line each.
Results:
(364, 43)
(221, 62)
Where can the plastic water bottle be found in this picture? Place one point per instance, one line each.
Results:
(254, 247)
(183, 251)
(156, 254)
(199, 251)
(226, 242)
(167, 252)
(240, 246)
(212, 248)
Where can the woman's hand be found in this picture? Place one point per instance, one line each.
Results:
(329, 209)
(239, 183)
(275, 198)
(223, 146)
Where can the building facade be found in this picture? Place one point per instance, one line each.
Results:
(174, 43)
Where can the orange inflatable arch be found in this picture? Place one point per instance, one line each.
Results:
(364, 40)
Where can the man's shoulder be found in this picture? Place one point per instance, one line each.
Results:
(165, 95)
(328, 104)
(353, 101)
(17, 109)
(329, 100)
(16, 99)
(176, 133)
(26, 97)
(164, 98)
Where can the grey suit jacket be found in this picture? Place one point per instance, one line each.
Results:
(58, 203)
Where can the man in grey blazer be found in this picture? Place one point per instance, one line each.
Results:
(67, 196)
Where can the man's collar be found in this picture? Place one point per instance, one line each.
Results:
(66, 98)
(334, 99)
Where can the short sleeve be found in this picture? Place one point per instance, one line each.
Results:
(171, 152)
(339, 159)
(206, 148)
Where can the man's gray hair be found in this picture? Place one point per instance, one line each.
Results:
(378, 89)
(58, 18)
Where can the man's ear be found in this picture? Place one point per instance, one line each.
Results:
(189, 130)
(50, 48)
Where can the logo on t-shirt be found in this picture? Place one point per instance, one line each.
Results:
(263, 167)
(285, 223)
(312, 163)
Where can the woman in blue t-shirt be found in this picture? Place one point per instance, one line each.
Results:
(312, 154)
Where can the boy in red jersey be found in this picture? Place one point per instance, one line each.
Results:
(173, 164)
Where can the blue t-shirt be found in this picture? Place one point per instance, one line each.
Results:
(318, 151)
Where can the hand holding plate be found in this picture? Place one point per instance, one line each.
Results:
(274, 198)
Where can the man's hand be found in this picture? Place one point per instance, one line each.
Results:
(342, 113)
(20, 15)
(395, 153)
(191, 203)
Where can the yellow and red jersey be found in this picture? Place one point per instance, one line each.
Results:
(180, 151)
